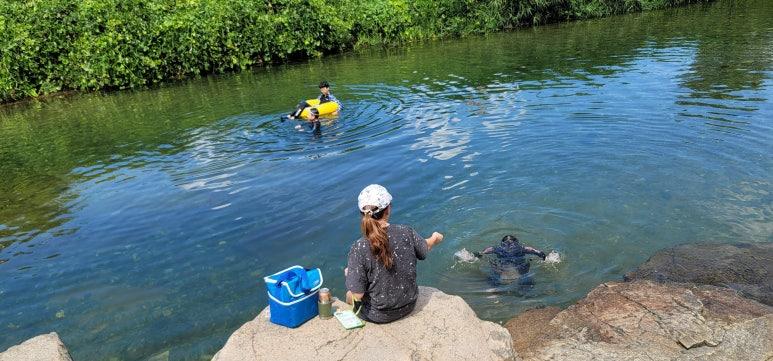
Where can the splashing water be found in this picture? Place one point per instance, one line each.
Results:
(553, 258)
(463, 255)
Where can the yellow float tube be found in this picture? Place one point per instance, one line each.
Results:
(324, 108)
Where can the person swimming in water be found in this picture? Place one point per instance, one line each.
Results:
(325, 97)
(511, 263)
(316, 126)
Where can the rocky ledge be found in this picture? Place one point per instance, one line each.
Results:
(40, 348)
(687, 303)
(643, 320)
(441, 327)
(671, 308)
(744, 267)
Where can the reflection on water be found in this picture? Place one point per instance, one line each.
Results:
(141, 222)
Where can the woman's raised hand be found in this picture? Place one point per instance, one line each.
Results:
(434, 239)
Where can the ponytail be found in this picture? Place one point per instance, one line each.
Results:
(376, 234)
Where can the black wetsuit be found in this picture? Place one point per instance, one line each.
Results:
(511, 264)
(326, 98)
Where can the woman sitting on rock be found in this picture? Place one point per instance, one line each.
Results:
(381, 272)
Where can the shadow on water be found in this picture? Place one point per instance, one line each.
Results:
(138, 222)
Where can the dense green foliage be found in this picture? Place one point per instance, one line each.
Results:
(53, 45)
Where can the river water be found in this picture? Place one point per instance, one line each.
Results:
(141, 222)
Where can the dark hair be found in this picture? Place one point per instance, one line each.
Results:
(376, 234)
(324, 84)
(510, 238)
(314, 112)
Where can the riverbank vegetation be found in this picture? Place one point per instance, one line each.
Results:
(55, 45)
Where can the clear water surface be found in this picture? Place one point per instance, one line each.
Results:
(141, 222)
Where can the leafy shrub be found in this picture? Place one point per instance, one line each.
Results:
(53, 45)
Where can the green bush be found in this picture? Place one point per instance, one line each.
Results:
(53, 45)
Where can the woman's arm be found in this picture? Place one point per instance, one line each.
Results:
(355, 274)
(434, 239)
(349, 294)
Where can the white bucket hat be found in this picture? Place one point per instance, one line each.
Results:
(374, 195)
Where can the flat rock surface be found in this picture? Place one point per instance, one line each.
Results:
(644, 320)
(530, 327)
(46, 347)
(745, 267)
(441, 327)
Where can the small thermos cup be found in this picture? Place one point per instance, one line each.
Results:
(325, 304)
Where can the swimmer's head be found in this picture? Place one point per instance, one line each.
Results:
(509, 240)
(313, 114)
(324, 87)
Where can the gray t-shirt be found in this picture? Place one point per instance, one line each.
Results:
(389, 294)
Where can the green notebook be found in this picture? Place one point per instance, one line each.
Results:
(348, 319)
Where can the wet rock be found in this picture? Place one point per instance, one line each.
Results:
(40, 348)
(747, 268)
(531, 327)
(442, 327)
(644, 320)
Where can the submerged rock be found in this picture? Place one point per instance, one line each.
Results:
(164, 356)
(40, 348)
(747, 268)
(644, 320)
(441, 327)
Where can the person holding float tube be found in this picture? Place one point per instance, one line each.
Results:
(323, 98)
(381, 270)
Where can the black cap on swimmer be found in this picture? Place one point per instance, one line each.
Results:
(324, 84)
(314, 112)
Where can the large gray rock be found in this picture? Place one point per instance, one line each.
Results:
(644, 320)
(745, 267)
(442, 327)
(40, 348)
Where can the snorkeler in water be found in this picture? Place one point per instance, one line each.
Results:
(313, 121)
(510, 263)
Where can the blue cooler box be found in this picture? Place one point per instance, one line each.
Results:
(292, 295)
